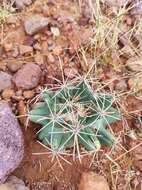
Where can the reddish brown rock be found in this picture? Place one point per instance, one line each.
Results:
(35, 24)
(27, 77)
(20, 4)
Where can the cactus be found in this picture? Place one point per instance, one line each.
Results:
(74, 115)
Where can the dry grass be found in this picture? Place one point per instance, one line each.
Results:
(105, 50)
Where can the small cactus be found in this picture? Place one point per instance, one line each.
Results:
(74, 116)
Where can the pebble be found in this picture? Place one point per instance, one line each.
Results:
(22, 3)
(12, 19)
(121, 85)
(51, 58)
(8, 46)
(134, 64)
(3, 66)
(135, 83)
(35, 24)
(11, 142)
(24, 49)
(28, 94)
(27, 77)
(70, 72)
(15, 52)
(7, 94)
(13, 67)
(55, 31)
(5, 80)
(28, 41)
(57, 50)
(39, 59)
(13, 183)
(37, 46)
(92, 181)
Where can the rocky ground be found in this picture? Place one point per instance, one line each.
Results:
(40, 40)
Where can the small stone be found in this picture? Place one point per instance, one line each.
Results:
(46, 10)
(92, 181)
(18, 93)
(121, 85)
(39, 59)
(8, 47)
(13, 183)
(22, 3)
(13, 67)
(15, 52)
(11, 142)
(12, 20)
(134, 64)
(8, 93)
(57, 50)
(51, 58)
(55, 31)
(27, 77)
(3, 66)
(37, 46)
(28, 41)
(28, 94)
(25, 49)
(5, 81)
(135, 83)
(35, 24)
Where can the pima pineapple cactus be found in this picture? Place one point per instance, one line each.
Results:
(74, 116)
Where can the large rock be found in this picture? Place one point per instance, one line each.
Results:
(35, 24)
(5, 80)
(92, 181)
(13, 183)
(11, 142)
(27, 77)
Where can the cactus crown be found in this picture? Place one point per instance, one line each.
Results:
(73, 116)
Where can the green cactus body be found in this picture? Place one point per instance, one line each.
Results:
(75, 113)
